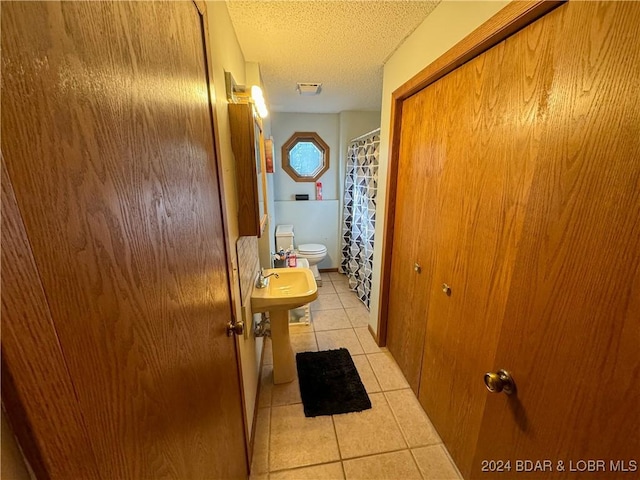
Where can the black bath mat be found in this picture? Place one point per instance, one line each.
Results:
(330, 384)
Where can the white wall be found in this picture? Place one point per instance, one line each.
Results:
(313, 222)
(309, 221)
(225, 54)
(317, 221)
(267, 241)
(449, 23)
(327, 125)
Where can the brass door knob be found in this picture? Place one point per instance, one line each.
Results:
(235, 328)
(500, 381)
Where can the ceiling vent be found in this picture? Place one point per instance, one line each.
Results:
(309, 89)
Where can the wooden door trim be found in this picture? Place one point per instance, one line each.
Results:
(28, 327)
(512, 18)
(202, 10)
(201, 6)
(216, 148)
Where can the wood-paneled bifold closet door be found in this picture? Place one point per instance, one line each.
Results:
(571, 329)
(416, 218)
(519, 189)
(122, 362)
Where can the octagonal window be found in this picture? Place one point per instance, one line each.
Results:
(305, 156)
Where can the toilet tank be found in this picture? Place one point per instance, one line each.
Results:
(284, 237)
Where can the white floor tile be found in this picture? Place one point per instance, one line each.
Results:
(330, 319)
(386, 466)
(366, 340)
(349, 300)
(395, 439)
(327, 471)
(434, 463)
(387, 371)
(414, 423)
(330, 301)
(367, 376)
(334, 339)
(298, 441)
(370, 431)
(358, 316)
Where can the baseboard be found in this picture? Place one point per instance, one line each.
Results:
(256, 407)
(327, 270)
(375, 337)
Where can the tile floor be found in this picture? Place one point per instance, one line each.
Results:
(392, 440)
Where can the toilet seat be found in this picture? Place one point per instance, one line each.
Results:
(312, 249)
(315, 253)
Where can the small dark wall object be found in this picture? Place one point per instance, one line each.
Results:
(302, 196)
(330, 384)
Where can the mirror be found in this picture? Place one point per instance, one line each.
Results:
(247, 142)
(261, 172)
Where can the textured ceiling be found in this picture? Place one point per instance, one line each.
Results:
(341, 44)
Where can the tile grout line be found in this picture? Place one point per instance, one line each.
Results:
(359, 342)
(292, 469)
(374, 372)
(393, 413)
(395, 419)
(369, 455)
(269, 439)
(374, 375)
(342, 460)
(335, 432)
(341, 328)
(367, 333)
(382, 352)
(415, 462)
(315, 334)
(448, 455)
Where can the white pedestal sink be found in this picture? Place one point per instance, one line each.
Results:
(292, 288)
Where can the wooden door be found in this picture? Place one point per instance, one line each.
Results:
(415, 227)
(117, 295)
(503, 142)
(571, 329)
(489, 147)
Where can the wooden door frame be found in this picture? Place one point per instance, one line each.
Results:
(512, 18)
(202, 10)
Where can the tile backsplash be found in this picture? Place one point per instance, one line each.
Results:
(248, 264)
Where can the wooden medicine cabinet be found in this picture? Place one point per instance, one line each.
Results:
(247, 142)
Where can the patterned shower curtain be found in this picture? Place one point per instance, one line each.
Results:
(361, 184)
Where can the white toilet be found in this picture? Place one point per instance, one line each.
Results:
(314, 253)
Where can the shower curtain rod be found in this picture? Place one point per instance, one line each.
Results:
(377, 130)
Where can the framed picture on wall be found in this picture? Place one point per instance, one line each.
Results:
(268, 149)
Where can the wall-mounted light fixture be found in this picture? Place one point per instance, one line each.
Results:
(258, 100)
(233, 89)
(238, 94)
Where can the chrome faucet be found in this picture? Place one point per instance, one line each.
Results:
(263, 281)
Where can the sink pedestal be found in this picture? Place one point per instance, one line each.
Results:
(284, 363)
(277, 291)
